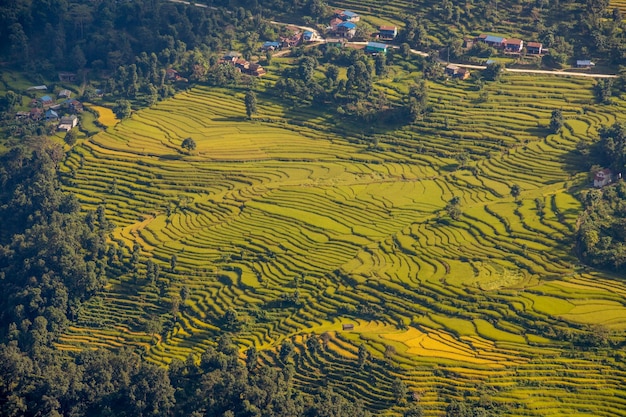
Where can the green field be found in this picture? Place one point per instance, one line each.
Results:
(456, 309)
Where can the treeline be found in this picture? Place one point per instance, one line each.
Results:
(46, 36)
(52, 256)
(103, 383)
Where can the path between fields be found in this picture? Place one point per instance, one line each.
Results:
(420, 53)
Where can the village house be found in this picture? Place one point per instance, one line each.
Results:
(309, 36)
(347, 16)
(36, 113)
(256, 70)
(67, 77)
(387, 32)
(346, 30)
(74, 105)
(491, 40)
(67, 123)
(37, 88)
(231, 57)
(534, 48)
(20, 115)
(513, 45)
(271, 46)
(334, 22)
(46, 101)
(602, 177)
(455, 71)
(172, 75)
(51, 115)
(64, 94)
(468, 43)
(376, 48)
(584, 63)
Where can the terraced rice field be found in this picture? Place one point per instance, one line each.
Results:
(262, 210)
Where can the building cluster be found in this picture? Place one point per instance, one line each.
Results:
(50, 109)
(507, 45)
(244, 66)
(344, 25)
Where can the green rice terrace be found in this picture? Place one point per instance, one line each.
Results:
(290, 225)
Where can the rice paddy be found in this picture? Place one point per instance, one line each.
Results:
(301, 228)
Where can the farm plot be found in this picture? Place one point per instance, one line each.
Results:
(283, 229)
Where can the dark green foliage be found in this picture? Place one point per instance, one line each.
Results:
(556, 121)
(611, 148)
(604, 90)
(122, 109)
(417, 100)
(188, 144)
(51, 256)
(493, 71)
(70, 137)
(400, 391)
(515, 191)
(250, 102)
(602, 232)
(453, 208)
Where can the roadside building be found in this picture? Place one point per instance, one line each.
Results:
(376, 48)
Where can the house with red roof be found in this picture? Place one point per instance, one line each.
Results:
(513, 45)
(534, 48)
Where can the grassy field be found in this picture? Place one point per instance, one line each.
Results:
(262, 210)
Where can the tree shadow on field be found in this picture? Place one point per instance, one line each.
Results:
(170, 158)
(231, 119)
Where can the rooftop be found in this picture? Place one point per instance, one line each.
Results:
(377, 45)
(494, 39)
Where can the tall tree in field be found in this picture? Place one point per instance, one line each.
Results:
(250, 101)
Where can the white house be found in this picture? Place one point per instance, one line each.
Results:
(602, 178)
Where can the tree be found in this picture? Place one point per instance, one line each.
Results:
(286, 351)
(11, 99)
(188, 144)
(556, 121)
(363, 355)
(415, 410)
(332, 74)
(380, 65)
(252, 358)
(70, 137)
(250, 102)
(417, 100)
(453, 208)
(400, 391)
(493, 71)
(122, 109)
(515, 191)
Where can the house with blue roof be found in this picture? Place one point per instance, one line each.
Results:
(52, 115)
(492, 40)
(346, 30)
(584, 63)
(271, 46)
(309, 36)
(46, 101)
(376, 48)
